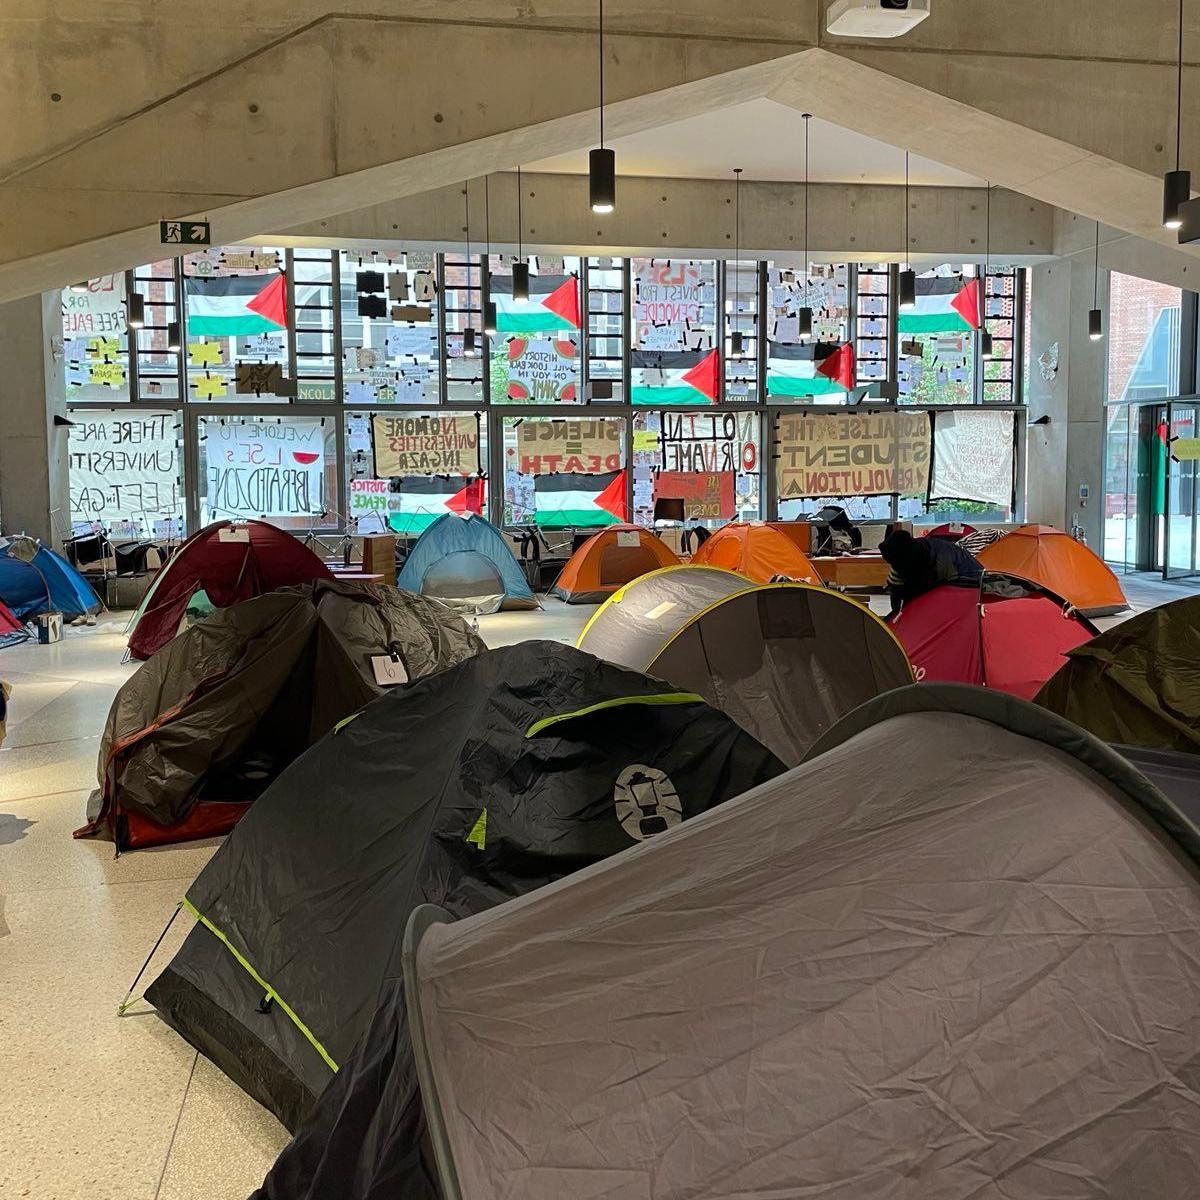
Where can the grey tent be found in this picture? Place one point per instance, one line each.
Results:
(784, 660)
(955, 954)
(213, 716)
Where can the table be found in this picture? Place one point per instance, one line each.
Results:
(868, 571)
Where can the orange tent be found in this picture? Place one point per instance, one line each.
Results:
(610, 559)
(756, 550)
(1060, 564)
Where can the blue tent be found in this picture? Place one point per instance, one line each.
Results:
(48, 583)
(466, 563)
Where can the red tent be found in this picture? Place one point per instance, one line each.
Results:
(950, 532)
(1013, 643)
(9, 625)
(230, 562)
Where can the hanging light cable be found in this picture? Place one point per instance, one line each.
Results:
(489, 305)
(602, 162)
(470, 349)
(1095, 318)
(737, 341)
(805, 320)
(908, 277)
(1177, 184)
(986, 348)
(520, 271)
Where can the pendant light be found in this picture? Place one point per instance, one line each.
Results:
(489, 305)
(602, 162)
(173, 337)
(1177, 184)
(985, 338)
(135, 310)
(805, 321)
(737, 341)
(520, 271)
(470, 349)
(908, 277)
(1095, 318)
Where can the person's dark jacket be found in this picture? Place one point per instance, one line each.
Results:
(919, 564)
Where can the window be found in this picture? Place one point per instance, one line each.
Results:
(674, 359)
(96, 340)
(872, 322)
(1143, 338)
(462, 309)
(937, 341)
(1000, 320)
(791, 362)
(158, 366)
(312, 279)
(741, 318)
(606, 328)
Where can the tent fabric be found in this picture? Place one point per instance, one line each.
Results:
(206, 723)
(1137, 684)
(11, 630)
(472, 785)
(35, 579)
(756, 550)
(466, 563)
(1059, 563)
(1006, 634)
(950, 955)
(608, 560)
(228, 561)
(785, 661)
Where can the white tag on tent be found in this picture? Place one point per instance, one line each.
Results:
(233, 535)
(956, 527)
(388, 670)
(660, 610)
(628, 538)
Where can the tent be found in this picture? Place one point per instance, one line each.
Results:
(208, 721)
(478, 783)
(466, 563)
(783, 660)
(1007, 634)
(1137, 684)
(756, 550)
(1059, 563)
(228, 561)
(954, 954)
(608, 560)
(11, 630)
(955, 530)
(35, 579)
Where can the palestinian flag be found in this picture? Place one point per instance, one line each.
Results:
(794, 371)
(553, 304)
(236, 305)
(569, 498)
(423, 498)
(675, 376)
(945, 304)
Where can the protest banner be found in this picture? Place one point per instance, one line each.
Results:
(547, 444)
(709, 442)
(124, 467)
(541, 370)
(265, 469)
(98, 311)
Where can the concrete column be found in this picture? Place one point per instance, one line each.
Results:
(1067, 452)
(34, 496)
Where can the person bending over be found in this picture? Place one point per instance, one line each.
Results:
(919, 564)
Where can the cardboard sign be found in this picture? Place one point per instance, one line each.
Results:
(266, 469)
(388, 671)
(425, 445)
(546, 445)
(124, 466)
(856, 454)
(706, 495)
(261, 379)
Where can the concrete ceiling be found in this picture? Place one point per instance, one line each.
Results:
(765, 139)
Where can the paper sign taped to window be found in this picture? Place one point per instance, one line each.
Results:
(388, 671)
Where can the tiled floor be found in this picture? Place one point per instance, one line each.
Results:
(93, 1105)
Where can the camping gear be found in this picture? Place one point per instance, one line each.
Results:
(466, 563)
(785, 661)
(954, 954)
(35, 579)
(49, 627)
(473, 785)
(11, 630)
(1004, 633)
(1137, 684)
(756, 550)
(228, 561)
(1057, 562)
(608, 560)
(206, 723)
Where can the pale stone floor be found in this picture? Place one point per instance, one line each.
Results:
(93, 1105)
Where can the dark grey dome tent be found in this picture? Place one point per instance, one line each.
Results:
(481, 782)
(954, 954)
(784, 660)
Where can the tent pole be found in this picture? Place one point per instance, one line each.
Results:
(153, 951)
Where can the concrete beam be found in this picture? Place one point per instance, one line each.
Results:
(695, 217)
(1075, 240)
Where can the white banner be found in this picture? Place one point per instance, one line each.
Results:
(124, 467)
(99, 310)
(973, 456)
(267, 469)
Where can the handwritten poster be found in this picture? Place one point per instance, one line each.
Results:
(670, 293)
(269, 468)
(541, 369)
(545, 445)
(425, 445)
(973, 457)
(706, 495)
(709, 442)
(124, 467)
(100, 310)
(859, 454)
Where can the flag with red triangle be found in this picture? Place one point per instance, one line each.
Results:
(571, 498)
(839, 366)
(552, 307)
(675, 376)
(968, 303)
(421, 499)
(236, 305)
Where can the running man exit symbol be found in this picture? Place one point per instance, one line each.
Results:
(184, 233)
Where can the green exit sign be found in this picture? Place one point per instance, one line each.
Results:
(184, 233)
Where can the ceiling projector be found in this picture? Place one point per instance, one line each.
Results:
(875, 18)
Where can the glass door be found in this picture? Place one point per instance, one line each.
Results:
(1181, 490)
